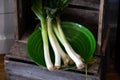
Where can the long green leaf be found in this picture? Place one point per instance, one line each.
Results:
(38, 9)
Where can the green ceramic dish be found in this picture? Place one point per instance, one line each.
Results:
(80, 38)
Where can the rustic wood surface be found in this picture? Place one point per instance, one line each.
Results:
(18, 51)
(87, 3)
(2, 70)
(100, 26)
(24, 71)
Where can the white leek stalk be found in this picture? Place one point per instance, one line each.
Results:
(74, 56)
(46, 46)
(54, 43)
(66, 59)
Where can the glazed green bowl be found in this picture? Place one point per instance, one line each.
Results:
(81, 39)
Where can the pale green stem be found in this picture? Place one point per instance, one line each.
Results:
(74, 56)
(54, 43)
(46, 46)
(66, 59)
(86, 71)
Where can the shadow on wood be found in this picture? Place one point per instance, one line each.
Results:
(2, 71)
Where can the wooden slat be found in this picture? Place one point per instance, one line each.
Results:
(16, 20)
(87, 3)
(100, 25)
(19, 51)
(17, 70)
(105, 41)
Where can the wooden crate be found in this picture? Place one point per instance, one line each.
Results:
(20, 67)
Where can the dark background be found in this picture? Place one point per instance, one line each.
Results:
(112, 17)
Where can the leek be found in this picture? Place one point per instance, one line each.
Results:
(48, 13)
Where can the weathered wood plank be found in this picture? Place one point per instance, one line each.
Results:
(87, 3)
(100, 26)
(17, 70)
(105, 40)
(19, 51)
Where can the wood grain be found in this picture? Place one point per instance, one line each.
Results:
(24, 71)
(2, 71)
(100, 26)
